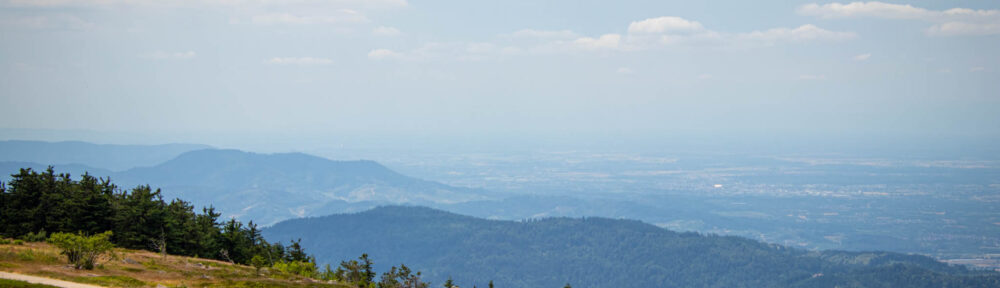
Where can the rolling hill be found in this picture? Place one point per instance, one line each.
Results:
(267, 188)
(600, 252)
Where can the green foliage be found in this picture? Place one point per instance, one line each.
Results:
(18, 242)
(449, 283)
(304, 269)
(401, 277)
(258, 262)
(356, 272)
(82, 251)
(41, 236)
(32, 203)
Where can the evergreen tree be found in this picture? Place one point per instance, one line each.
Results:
(33, 202)
(366, 266)
(449, 283)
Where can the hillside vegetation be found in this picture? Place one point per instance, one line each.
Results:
(600, 252)
(137, 268)
(89, 217)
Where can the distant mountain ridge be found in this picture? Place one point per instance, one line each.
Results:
(267, 188)
(102, 156)
(599, 252)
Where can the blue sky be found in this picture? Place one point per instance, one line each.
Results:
(255, 70)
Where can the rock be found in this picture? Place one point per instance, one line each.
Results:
(130, 261)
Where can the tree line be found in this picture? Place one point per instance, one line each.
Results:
(34, 203)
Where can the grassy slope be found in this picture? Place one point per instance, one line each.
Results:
(132, 268)
(21, 284)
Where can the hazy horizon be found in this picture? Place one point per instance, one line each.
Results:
(301, 75)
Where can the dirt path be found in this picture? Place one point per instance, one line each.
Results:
(43, 280)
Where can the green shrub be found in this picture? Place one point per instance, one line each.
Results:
(26, 255)
(4, 241)
(304, 269)
(18, 242)
(258, 262)
(35, 237)
(82, 251)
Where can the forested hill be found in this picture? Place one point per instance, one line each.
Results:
(600, 252)
(100, 156)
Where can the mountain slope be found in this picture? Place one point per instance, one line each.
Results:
(103, 156)
(267, 188)
(595, 252)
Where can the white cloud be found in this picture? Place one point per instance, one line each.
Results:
(542, 34)
(385, 31)
(802, 33)
(863, 9)
(964, 28)
(301, 61)
(606, 41)
(950, 22)
(663, 25)
(340, 16)
(862, 57)
(160, 55)
(652, 33)
(379, 54)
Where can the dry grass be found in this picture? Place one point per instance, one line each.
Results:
(133, 268)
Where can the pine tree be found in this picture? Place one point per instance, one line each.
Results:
(366, 266)
(449, 283)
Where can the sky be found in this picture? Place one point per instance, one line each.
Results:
(280, 75)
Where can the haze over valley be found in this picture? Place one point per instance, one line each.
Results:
(517, 143)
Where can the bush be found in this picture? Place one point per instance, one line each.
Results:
(82, 251)
(18, 242)
(304, 269)
(258, 262)
(4, 241)
(35, 237)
